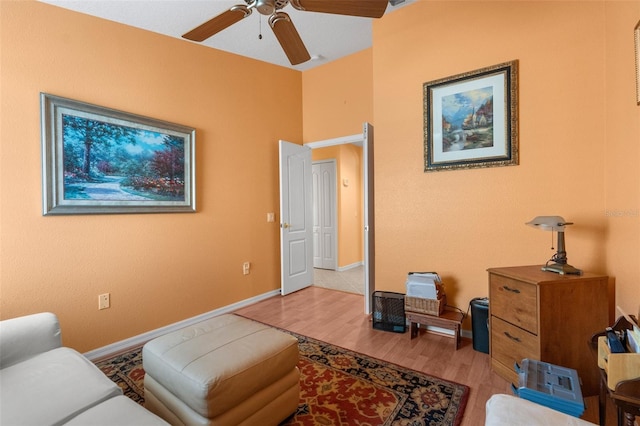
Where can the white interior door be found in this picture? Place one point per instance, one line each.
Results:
(369, 223)
(296, 239)
(325, 226)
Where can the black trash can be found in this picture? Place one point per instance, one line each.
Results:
(388, 311)
(480, 324)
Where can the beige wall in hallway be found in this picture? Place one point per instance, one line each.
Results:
(350, 200)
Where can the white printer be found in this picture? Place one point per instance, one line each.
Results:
(425, 285)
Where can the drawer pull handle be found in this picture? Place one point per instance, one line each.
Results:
(512, 290)
(515, 339)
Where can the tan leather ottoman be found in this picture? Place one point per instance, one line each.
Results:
(224, 371)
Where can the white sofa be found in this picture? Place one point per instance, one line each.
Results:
(509, 410)
(44, 383)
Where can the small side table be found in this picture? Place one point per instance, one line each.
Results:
(449, 320)
(626, 395)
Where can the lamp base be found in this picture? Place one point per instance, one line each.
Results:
(561, 269)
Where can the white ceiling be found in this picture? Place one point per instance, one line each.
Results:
(326, 36)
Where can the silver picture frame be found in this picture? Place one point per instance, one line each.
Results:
(98, 160)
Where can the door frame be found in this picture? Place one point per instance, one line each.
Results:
(368, 214)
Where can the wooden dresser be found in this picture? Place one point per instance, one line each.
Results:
(548, 317)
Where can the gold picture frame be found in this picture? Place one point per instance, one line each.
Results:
(636, 33)
(471, 119)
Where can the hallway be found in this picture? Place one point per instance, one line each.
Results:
(350, 281)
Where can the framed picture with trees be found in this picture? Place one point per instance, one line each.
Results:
(98, 160)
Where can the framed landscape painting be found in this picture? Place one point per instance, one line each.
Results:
(471, 119)
(98, 160)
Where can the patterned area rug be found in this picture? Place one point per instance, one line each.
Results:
(340, 387)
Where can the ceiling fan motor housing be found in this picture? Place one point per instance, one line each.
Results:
(267, 7)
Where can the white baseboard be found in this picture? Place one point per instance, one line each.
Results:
(351, 266)
(141, 339)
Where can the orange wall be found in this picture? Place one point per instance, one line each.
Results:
(159, 268)
(579, 141)
(337, 100)
(622, 155)
(338, 97)
(573, 134)
(579, 149)
(350, 200)
(351, 215)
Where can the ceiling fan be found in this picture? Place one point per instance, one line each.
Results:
(281, 23)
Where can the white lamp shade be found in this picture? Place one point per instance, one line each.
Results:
(548, 223)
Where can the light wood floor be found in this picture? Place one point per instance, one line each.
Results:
(338, 318)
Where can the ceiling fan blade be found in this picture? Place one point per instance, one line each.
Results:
(364, 8)
(289, 38)
(219, 23)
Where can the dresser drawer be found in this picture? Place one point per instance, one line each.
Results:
(510, 344)
(514, 301)
(531, 318)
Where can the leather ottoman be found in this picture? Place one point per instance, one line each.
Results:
(224, 371)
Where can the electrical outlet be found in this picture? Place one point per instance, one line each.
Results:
(245, 268)
(104, 301)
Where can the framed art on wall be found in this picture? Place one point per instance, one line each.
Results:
(636, 34)
(98, 160)
(471, 119)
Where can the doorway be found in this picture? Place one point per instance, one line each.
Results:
(296, 254)
(337, 218)
(367, 241)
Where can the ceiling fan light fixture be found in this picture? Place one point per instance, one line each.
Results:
(265, 7)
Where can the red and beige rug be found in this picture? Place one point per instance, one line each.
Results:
(340, 387)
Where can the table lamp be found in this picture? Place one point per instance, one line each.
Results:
(559, 260)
